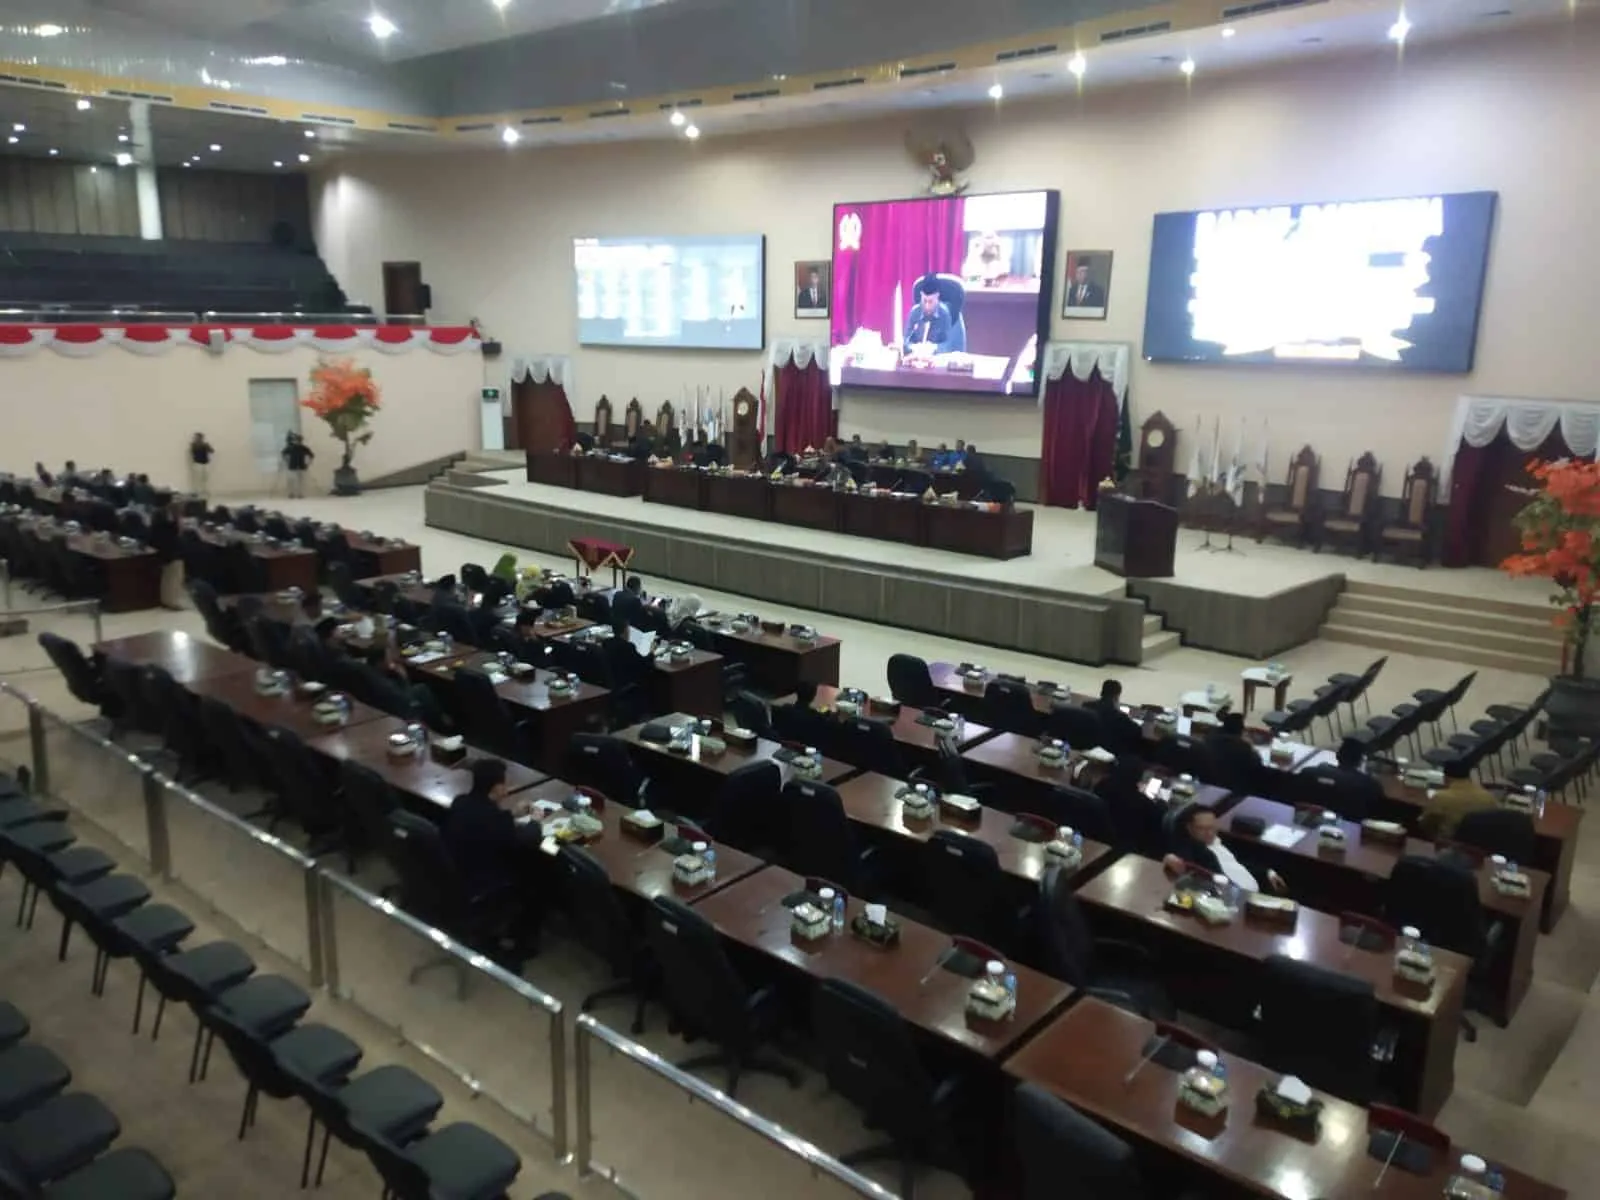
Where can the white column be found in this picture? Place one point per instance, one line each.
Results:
(144, 163)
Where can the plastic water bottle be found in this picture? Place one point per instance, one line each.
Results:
(838, 912)
(1077, 841)
(1009, 982)
(417, 734)
(708, 853)
(1410, 939)
(1539, 798)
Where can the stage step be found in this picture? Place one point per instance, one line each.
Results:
(1457, 604)
(1155, 645)
(1467, 651)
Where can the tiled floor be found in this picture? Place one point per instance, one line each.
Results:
(1525, 1094)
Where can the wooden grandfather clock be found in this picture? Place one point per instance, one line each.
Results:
(744, 433)
(1156, 477)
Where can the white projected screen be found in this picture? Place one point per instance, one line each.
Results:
(692, 292)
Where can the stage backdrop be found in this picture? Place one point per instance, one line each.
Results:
(132, 402)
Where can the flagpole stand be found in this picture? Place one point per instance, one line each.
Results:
(1229, 548)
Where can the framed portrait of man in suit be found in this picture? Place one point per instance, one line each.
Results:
(812, 288)
(1088, 285)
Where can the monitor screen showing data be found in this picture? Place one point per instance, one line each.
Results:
(701, 293)
(943, 293)
(1373, 283)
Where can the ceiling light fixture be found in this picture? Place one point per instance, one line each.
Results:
(311, 133)
(84, 105)
(678, 119)
(1399, 30)
(305, 158)
(996, 91)
(382, 28)
(215, 149)
(122, 137)
(1078, 64)
(54, 152)
(1228, 31)
(19, 127)
(277, 162)
(1187, 66)
(502, 5)
(12, 140)
(48, 30)
(94, 170)
(124, 159)
(692, 132)
(510, 136)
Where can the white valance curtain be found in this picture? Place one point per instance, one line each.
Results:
(1527, 423)
(1081, 358)
(802, 352)
(542, 367)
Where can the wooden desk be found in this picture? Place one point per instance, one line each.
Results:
(871, 801)
(988, 375)
(777, 661)
(683, 487)
(694, 686)
(187, 659)
(642, 868)
(128, 580)
(887, 518)
(1212, 970)
(958, 697)
(1084, 1055)
(654, 756)
(1004, 534)
(812, 505)
(1352, 881)
(432, 783)
(751, 913)
(553, 468)
(918, 742)
(747, 495)
(388, 558)
(290, 711)
(607, 476)
(889, 475)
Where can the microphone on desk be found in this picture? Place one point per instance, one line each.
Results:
(944, 957)
(1156, 1043)
(898, 480)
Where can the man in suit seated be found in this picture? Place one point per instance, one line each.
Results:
(1363, 793)
(1121, 734)
(623, 659)
(928, 325)
(854, 451)
(1237, 765)
(480, 835)
(1460, 795)
(627, 604)
(643, 444)
(975, 465)
(1192, 839)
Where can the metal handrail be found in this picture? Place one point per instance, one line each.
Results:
(43, 314)
(295, 317)
(66, 607)
(817, 1159)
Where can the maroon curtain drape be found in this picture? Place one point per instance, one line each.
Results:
(1474, 520)
(1080, 439)
(898, 245)
(1467, 496)
(805, 407)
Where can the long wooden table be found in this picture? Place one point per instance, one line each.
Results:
(777, 661)
(1351, 880)
(187, 659)
(1212, 969)
(1085, 1057)
(289, 710)
(420, 776)
(917, 740)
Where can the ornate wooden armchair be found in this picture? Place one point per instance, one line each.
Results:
(1410, 535)
(1291, 518)
(664, 418)
(602, 423)
(1352, 525)
(632, 418)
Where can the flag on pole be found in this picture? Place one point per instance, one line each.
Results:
(1261, 458)
(1195, 479)
(1216, 453)
(1124, 460)
(1236, 468)
(761, 420)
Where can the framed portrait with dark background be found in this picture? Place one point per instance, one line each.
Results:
(812, 288)
(1087, 289)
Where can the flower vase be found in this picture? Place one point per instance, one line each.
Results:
(346, 482)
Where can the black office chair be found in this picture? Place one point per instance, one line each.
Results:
(342, 579)
(1309, 788)
(14, 1025)
(869, 1058)
(868, 744)
(817, 838)
(479, 709)
(751, 712)
(1061, 1152)
(1344, 1055)
(1119, 972)
(85, 681)
(604, 929)
(910, 683)
(953, 295)
(1009, 705)
(744, 812)
(229, 752)
(603, 762)
(1078, 727)
(367, 801)
(393, 1101)
(707, 998)
(460, 1160)
(64, 1134)
(301, 791)
(1440, 898)
(1499, 831)
(1084, 811)
(29, 1075)
(965, 889)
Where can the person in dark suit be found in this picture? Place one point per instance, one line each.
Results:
(1083, 292)
(643, 444)
(812, 296)
(623, 660)
(200, 452)
(1193, 839)
(627, 603)
(928, 324)
(480, 835)
(1135, 817)
(1121, 733)
(1365, 794)
(1237, 765)
(297, 457)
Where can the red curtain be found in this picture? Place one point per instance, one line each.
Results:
(1080, 439)
(899, 244)
(542, 415)
(1465, 516)
(805, 407)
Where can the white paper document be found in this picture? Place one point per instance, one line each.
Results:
(1285, 836)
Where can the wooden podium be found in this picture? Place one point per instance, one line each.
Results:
(1135, 537)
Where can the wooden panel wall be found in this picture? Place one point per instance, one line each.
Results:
(48, 196)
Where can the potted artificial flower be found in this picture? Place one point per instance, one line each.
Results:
(1560, 529)
(345, 396)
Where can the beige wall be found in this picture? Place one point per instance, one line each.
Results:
(1513, 113)
(130, 412)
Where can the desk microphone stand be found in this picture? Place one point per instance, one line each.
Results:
(1229, 548)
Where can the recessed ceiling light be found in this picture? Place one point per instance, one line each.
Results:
(305, 158)
(122, 137)
(502, 5)
(692, 132)
(1078, 64)
(94, 170)
(678, 119)
(996, 91)
(48, 30)
(1228, 31)
(54, 152)
(187, 165)
(84, 105)
(311, 133)
(277, 162)
(19, 127)
(215, 147)
(1399, 30)
(1187, 66)
(510, 136)
(124, 159)
(381, 26)
(12, 139)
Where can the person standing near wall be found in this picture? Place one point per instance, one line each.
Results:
(200, 452)
(297, 457)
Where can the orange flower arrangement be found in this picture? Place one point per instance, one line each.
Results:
(345, 396)
(1559, 527)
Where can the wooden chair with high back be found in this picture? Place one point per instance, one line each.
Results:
(1410, 535)
(602, 423)
(632, 418)
(1291, 518)
(665, 419)
(1351, 527)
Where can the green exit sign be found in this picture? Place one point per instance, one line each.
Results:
(488, 395)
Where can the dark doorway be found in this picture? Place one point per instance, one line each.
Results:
(403, 291)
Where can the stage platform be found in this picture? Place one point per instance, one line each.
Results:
(1255, 602)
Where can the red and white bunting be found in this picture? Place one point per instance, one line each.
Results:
(85, 341)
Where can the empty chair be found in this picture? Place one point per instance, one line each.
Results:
(744, 812)
(479, 709)
(1008, 705)
(1119, 972)
(1356, 687)
(393, 1102)
(751, 712)
(13, 1025)
(1080, 728)
(55, 1139)
(1084, 811)
(433, 891)
(707, 997)
(1445, 698)
(1055, 1144)
(910, 683)
(603, 928)
(869, 1058)
(1499, 831)
(1299, 996)
(83, 680)
(29, 1075)
(125, 1174)
(605, 763)
(1440, 898)
(817, 838)
(342, 579)
(368, 800)
(965, 889)
(460, 1160)
(870, 745)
